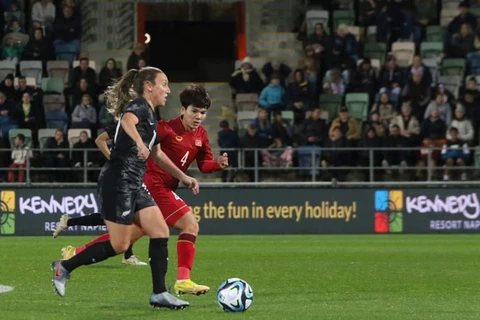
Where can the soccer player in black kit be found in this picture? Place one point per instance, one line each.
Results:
(123, 198)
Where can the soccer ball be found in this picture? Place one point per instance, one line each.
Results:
(235, 295)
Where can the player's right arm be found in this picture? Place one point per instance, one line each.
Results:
(101, 143)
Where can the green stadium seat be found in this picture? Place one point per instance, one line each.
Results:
(343, 17)
(453, 67)
(12, 133)
(375, 50)
(435, 33)
(331, 103)
(431, 49)
(357, 104)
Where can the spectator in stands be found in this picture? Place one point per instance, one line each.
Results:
(445, 112)
(299, 90)
(276, 68)
(366, 12)
(84, 115)
(366, 78)
(339, 59)
(425, 14)
(227, 140)
(370, 140)
(346, 41)
(272, 96)
(12, 51)
(314, 130)
(349, 126)
(464, 17)
(310, 64)
(393, 156)
(434, 127)
(37, 48)
(105, 118)
(376, 124)
(246, 79)
(262, 125)
(14, 14)
(472, 108)
(319, 40)
(455, 152)
(448, 96)
(335, 83)
(31, 115)
(43, 11)
(471, 88)
(391, 77)
(385, 110)
(428, 156)
(23, 88)
(418, 93)
(83, 87)
(462, 44)
(417, 66)
(4, 156)
(252, 140)
(278, 154)
(7, 87)
(141, 64)
(335, 156)
(84, 142)
(475, 4)
(14, 26)
(57, 158)
(68, 29)
(20, 153)
(9, 117)
(408, 124)
(138, 52)
(281, 129)
(109, 74)
(69, 3)
(463, 124)
(83, 71)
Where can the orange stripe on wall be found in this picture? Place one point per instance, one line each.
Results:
(241, 31)
(141, 22)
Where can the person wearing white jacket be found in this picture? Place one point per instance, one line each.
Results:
(19, 157)
(43, 11)
(463, 125)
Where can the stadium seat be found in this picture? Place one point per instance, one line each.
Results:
(66, 52)
(432, 64)
(6, 67)
(435, 33)
(91, 64)
(32, 68)
(316, 16)
(375, 50)
(306, 156)
(57, 120)
(246, 101)
(331, 103)
(73, 135)
(453, 67)
(12, 133)
(372, 34)
(31, 82)
(44, 135)
(357, 104)
(58, 69)
(53, 85)
(289, 116)
(450, 4)
(403, 52)
(343, 17)
(53, 102)
(245, 118)
(451, 83)
(431, 50)
(475, 65)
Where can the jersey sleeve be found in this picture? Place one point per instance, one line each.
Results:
(162, 131)
(205, 160)
(139, 108)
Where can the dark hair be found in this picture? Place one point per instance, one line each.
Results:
(224, 124)
(83, 59)
(130, 86)
(195, 95)
(453, 129)
(22, 78)
(21, 137)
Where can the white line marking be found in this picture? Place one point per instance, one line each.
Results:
(4, 289)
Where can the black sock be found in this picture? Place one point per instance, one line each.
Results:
(158, 252)
(95, 253)
(94, 219)
(129, 252)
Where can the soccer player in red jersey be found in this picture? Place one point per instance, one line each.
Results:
(183, 140)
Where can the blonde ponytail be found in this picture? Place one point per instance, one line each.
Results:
(120, 94)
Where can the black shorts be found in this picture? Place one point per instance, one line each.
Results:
(119, 199)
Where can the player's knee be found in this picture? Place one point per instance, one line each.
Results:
(191, 227)
(120, 246)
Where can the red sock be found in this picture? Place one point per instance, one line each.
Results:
(103, 237)
(186, 255)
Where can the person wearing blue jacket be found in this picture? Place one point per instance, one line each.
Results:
(272, 96)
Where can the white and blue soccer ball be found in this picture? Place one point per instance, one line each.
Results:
(235, 295)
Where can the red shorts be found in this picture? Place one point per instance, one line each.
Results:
(170, 204)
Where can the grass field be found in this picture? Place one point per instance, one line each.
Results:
(293, 277)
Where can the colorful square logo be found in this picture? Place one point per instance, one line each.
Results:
(7, 212)
(388, 211)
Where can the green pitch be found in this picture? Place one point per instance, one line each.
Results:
(293, 277)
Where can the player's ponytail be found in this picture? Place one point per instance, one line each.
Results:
(121, 93)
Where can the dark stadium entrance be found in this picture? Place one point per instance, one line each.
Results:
(192, 44)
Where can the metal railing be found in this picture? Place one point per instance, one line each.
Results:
(313, 167)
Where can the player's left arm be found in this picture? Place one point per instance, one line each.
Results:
(205, 160)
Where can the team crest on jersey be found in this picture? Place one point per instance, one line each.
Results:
(179, 138)
(198, 143)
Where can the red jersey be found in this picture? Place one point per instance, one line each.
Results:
(182, 147)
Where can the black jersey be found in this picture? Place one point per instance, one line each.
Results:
(124, 150)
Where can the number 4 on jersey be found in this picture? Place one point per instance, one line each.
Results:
(184, 158)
